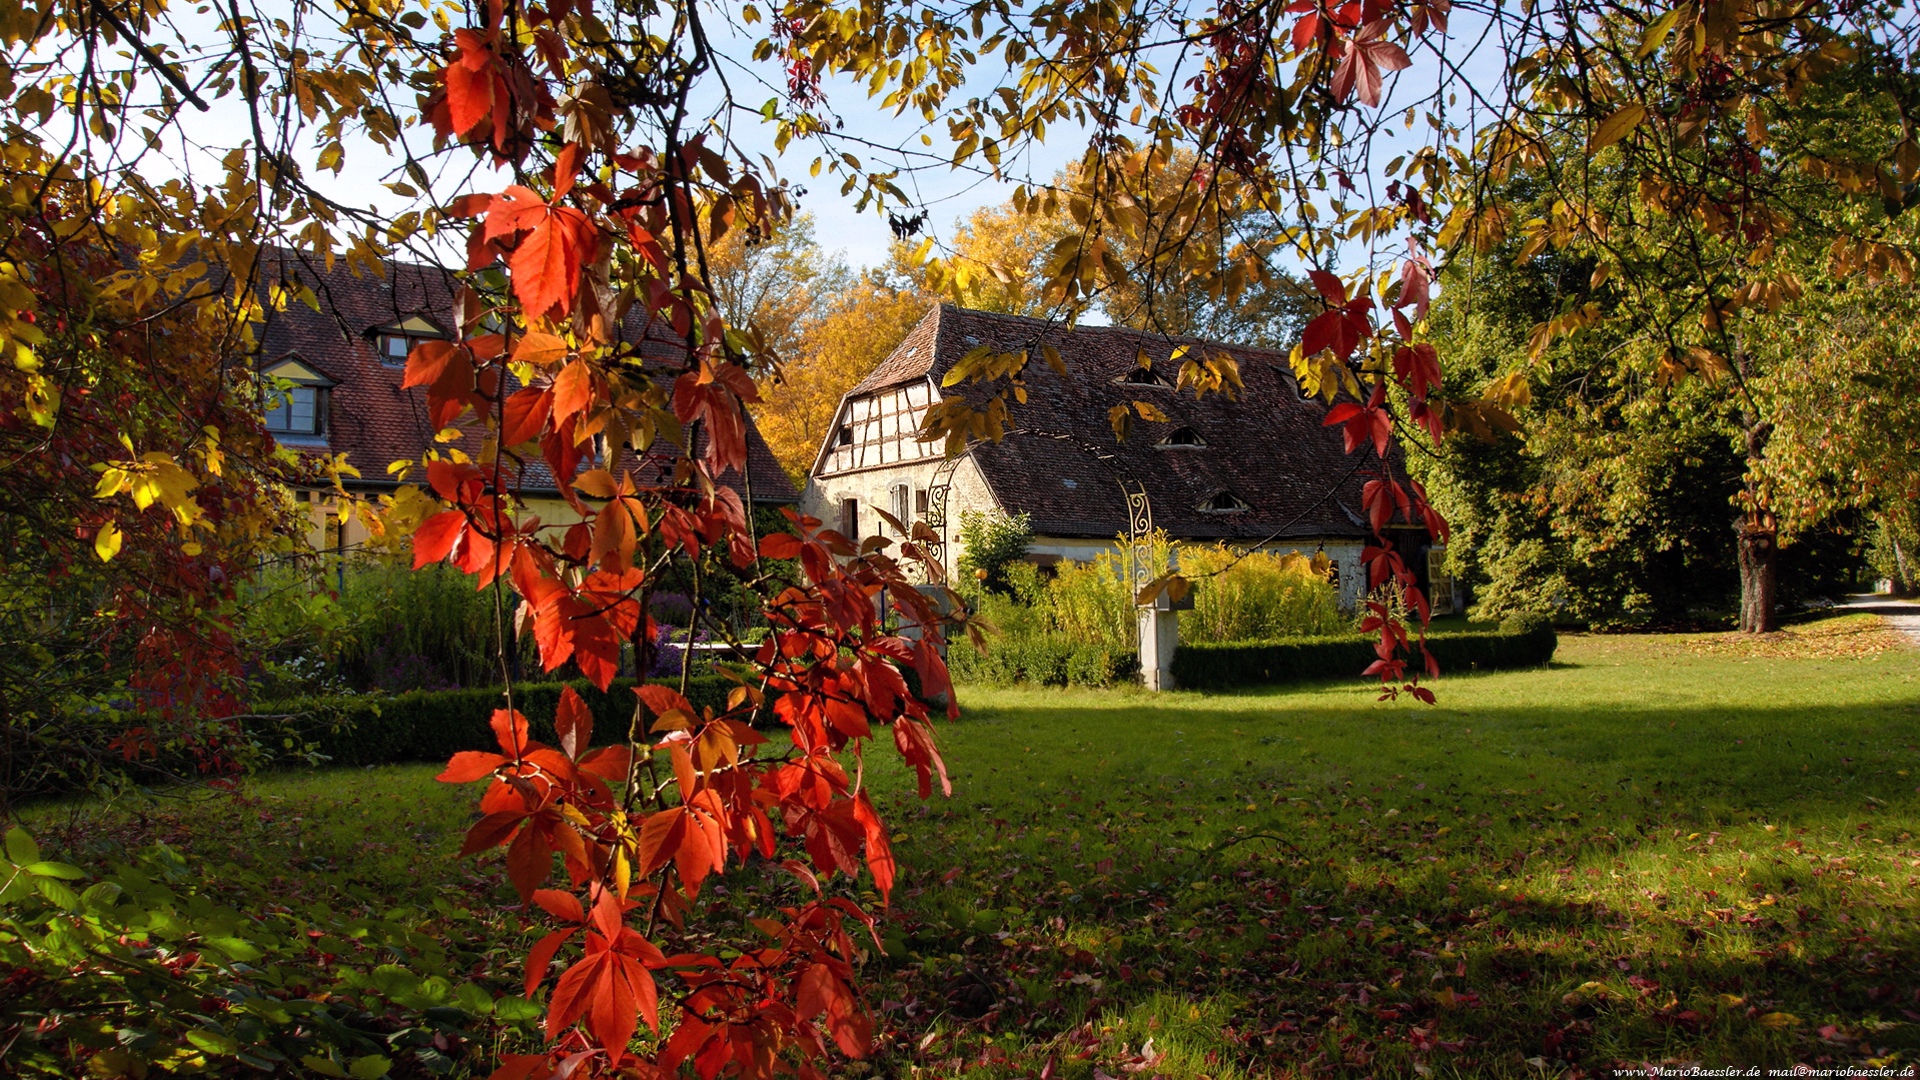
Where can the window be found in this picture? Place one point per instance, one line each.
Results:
(1181, 437)
(1223, 502)
(845, 435)
(392, 343)
(300, 410)
(1143, 376)
(850, 519)
(294, 402)
(901, 496)
(920, 502)
(394, 349)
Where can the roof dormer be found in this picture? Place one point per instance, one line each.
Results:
(1181, 438)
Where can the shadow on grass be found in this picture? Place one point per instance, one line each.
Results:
(1475, 891)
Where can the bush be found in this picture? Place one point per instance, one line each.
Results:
(1210, 666)
(1256, 597)
(991, 542)
(433, 725)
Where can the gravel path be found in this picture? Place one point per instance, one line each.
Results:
(1900, 614)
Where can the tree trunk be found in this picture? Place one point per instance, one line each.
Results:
(1759, 558)
(1902, 577)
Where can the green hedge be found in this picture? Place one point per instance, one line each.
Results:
(1516, 644)
(432, 725)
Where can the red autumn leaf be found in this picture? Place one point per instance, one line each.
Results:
(879, 851)
(470, 765)
(572, 390)
(1367, 59)
(546, 265)
(434, 539)
(1330, 287)
(428, 362)
(573, 723)
(524, 415)
(470, 83)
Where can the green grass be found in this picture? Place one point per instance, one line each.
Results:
(1660, 849)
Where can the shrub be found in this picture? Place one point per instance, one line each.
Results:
(991, 542)
(1256, 597)
(1218, 666)
(432, 725)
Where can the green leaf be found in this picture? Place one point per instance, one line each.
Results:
(323, 1066)
(54, 869)
(371, 1067)
(213, 1042)
(237, 948)
(20, 847)
(473, 999)
(517, 1009)
(56, 893)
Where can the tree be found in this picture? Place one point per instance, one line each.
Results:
(774, 288)
(842, 339)
(1721, 176)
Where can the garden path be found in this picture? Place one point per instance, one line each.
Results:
(1902, 615)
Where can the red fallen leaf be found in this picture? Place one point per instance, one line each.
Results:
(1367, 59)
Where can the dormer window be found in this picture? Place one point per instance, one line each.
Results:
(1143, 376)
(1223, 502)
(1181, 438)
(296, 399)
(394, 342)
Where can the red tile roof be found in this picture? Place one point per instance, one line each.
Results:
(1268, 448)
(373, 420)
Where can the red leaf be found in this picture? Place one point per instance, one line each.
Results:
(546, 265)
(879, 852)
(428, 362)
(540, 957)
(663, 700)
(470, 765)
(563, 906)
(524, 416)
(510, 731)
(434, 539)
(780, 546)
(572, 389)
(1331, 288)
(469, 95)
(491, 830)
(529, 861)
(573, 723)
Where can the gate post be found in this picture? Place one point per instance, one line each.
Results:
(1159, 637)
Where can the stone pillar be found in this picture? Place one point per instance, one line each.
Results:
(1159, 637)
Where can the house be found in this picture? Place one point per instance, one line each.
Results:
(1260, 471)
(341, 362)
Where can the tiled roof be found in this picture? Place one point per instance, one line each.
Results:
(1268, 449)
(373, 420)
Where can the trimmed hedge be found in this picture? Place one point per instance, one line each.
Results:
(433, 725)
(1517, 644)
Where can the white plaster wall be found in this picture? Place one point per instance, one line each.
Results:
(967, 490)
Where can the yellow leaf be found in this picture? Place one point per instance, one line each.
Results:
(1617, 127)
(1656, 34)
(1778, 1020)
(106, 542)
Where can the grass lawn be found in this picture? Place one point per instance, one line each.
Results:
(1673, 849)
